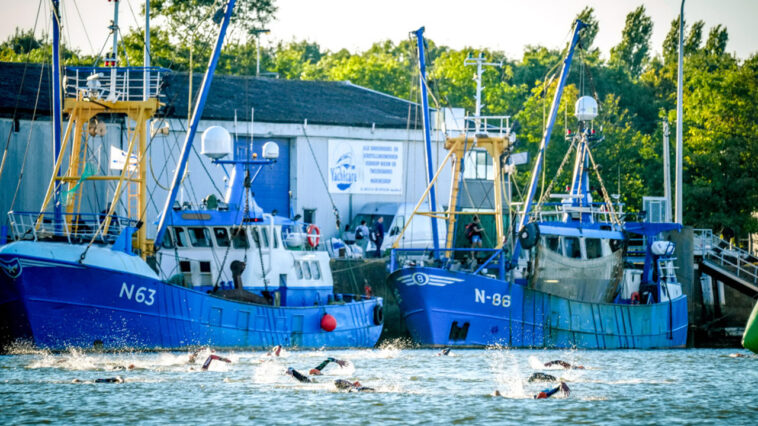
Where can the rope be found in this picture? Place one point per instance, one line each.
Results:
(606, 198)
(547, 193)
(323, 179)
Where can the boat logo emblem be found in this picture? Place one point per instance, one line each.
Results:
(12, 268)
(344, 173)
(422, 279)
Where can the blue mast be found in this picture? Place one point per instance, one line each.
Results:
(58, 215)
(427, 138)
(546, 137)
(199, 106)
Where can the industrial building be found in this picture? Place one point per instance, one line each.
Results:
(340, 145)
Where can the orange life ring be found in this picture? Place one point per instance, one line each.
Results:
(313, 235)
(635, 298)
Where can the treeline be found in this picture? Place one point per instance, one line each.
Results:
(636, 91)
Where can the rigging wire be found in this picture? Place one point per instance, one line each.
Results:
(86, 34)
(323, 179)
(20, 89)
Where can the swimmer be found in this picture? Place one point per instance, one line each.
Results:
(275, 351)
(212, 358)
(737, 355)
(541, 377)
(193, 355)
(444, 352)
(121, 367)
(317, 371)
(563, 364)
(547, 393)
(117, 379)
(347, 386)
(298, 375)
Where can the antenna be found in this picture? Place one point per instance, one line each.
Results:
(479, 62)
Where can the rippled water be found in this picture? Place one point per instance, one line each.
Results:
(413, 386)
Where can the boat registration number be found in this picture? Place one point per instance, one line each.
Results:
(142, 295)
(496, 299)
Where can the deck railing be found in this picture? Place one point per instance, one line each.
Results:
(113, 83)
(73, 228)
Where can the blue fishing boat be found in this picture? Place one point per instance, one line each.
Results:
(225, 274)
(566, 279)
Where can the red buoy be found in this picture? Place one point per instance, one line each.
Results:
(328, 322)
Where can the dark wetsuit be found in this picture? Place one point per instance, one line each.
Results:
(298, 375)
(317, 371)
(345, 385)
(542, 377)
(116, 379)
(563, 364)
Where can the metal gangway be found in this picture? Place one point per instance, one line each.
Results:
(734, 266)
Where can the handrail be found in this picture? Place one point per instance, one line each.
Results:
(739, 262)
(73, 227)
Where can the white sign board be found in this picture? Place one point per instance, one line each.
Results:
(365, 167)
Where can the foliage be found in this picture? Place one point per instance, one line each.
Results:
(635, 93)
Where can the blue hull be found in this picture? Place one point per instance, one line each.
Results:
(457, 309)
(59, 304)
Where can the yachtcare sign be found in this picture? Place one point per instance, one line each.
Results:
(365, 167)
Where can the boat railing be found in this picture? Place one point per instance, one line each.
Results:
(556, 211)
(404, 257)
(489, 124)
(113, 83)
(70, 227)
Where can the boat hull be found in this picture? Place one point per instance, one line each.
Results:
(57, 304)
(445, 308)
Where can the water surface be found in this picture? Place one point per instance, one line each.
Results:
(413, 386)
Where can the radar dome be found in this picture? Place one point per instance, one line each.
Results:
(586, 108)
(270, 150)
(216, 142)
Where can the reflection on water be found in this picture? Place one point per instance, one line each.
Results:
(412, 386)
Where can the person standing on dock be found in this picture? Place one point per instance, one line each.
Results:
(378, 234)
(361, 237)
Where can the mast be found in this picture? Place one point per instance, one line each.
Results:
(546, 137)
(666, 171)
(679, 206)
(479, 62)
(199, 106)
(427, 138)
(57, 99)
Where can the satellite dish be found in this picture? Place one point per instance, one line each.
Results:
(216, 142)
(586, 108)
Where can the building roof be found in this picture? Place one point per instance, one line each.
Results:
(274, 100)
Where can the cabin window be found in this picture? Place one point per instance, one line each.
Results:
(306, 271)
(571, 247)
(264, 237)
(593, 247)
(315, 270)
(222, 237)
(298, 270)
(168, 240)
(239, 238)
(478, 165)
(553, 243)
(275, 237)
(181, 237)
(185, 267)
(199, 237)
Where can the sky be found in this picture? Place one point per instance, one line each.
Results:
(504, 25)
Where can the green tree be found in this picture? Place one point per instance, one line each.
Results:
(632, 53)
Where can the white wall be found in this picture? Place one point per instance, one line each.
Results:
(306, 184)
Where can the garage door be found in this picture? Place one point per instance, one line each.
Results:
(272, 185)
